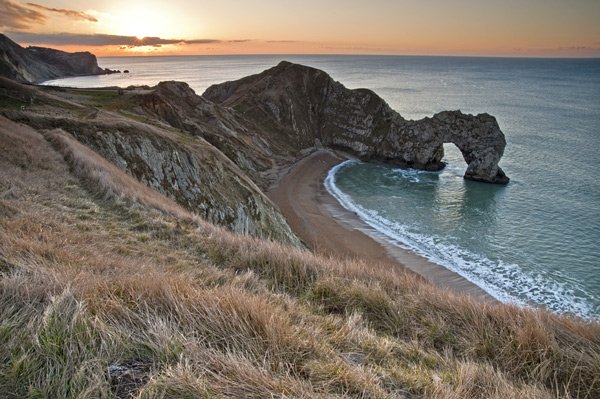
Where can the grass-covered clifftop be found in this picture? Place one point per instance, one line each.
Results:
(110, 289)
(178, 164)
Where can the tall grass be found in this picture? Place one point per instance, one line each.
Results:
(107, 179)
(108, 289)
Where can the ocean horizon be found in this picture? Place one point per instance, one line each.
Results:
(533, 242)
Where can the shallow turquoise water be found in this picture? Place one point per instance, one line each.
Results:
(518, 251)
(535, 241)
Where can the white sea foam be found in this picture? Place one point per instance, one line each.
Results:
(505, 281)
(412, 175)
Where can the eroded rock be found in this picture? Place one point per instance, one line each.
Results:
(305, 106)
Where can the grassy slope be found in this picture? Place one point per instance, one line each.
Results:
(109, 289)
(183, 167)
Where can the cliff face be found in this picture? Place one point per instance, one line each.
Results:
(176, 104)
(305, 107)
(184, 168)
(37, 64)
(195, 176)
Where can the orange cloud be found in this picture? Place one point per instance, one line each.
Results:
(67, 13)
(97, 39)
(15, 16)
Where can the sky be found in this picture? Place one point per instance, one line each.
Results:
(547, 28)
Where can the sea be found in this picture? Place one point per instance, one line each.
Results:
(534, 242)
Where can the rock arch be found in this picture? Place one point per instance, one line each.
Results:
(296, 107)
(480, 141)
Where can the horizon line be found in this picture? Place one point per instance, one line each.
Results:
(556, 57)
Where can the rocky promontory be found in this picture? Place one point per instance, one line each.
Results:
(184, 168)
(305, 107)
(217, 154)
(37, 64)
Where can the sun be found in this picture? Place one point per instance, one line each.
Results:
(140, 23)
(142, 20)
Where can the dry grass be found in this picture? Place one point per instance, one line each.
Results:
(107, 179)
(108, 289)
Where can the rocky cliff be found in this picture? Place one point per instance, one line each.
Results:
(305, 107)
(183, 167)
(215, 154)
(37, 64)
(176, 104)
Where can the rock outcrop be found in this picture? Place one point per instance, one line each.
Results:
(305, 107)
(176, 104)
(37, 64)
(184, 168)
(195, 176)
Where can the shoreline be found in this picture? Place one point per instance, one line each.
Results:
(326, 227)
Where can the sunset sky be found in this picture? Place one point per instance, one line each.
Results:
(458, 27)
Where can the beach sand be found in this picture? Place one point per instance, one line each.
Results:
(328, 228)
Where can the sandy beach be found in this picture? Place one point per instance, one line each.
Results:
(326, 227)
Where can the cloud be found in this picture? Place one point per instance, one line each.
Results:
(578, 50)
(194, 41)
(62, 39)
(15, 16)
(67, 13)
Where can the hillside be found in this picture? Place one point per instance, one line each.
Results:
(139, 257)
(37, 64)
(110, 289)
(183, 167)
